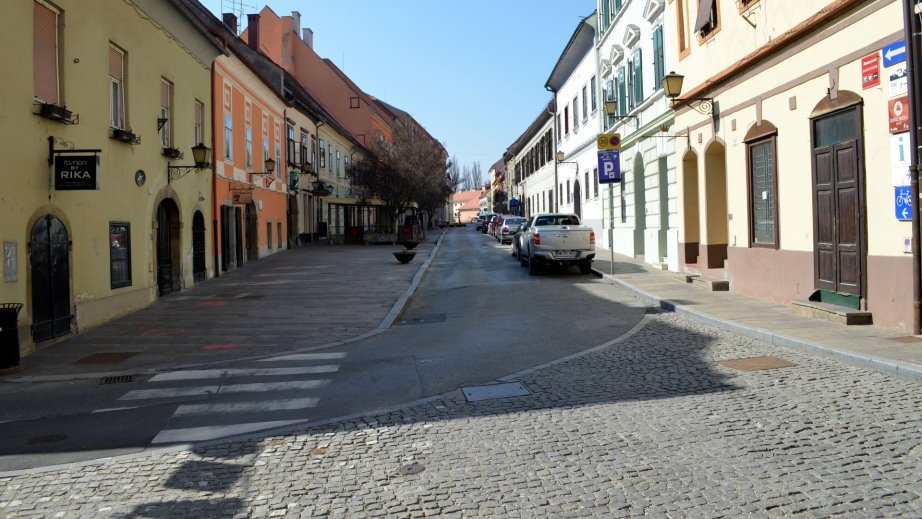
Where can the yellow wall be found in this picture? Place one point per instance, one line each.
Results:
(153, 50)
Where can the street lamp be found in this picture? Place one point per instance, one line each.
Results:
(270, 169)
(201, 155)
(611, 110)
(672, 85)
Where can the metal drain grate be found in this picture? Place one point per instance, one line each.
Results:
(44, 440)
(121, 379)
(757, 363)
(491, 391)
(412, 468)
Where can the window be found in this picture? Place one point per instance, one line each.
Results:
(313, 154)
(585, 105)
(338, 162)
(762, 192)
(198, 116)
(291, 150)
(680, 28)
(706, 21)
(278, 226)
(568, 191)
(622, 92)
(586, 183)
(566, 120)
(266, 154)
(558, 128)
(45, 80)
(120, 254)
(593, 95)
(330, 155)
(560, 194)
(116, 88)
(166, 104)
(605, 16)
(304, 151)
(595, 182)
(575, 114)
(323, 154)
(269, 235)
(228, 136)
(635, 79)
(279, 165)
(248, 150)
(659, 59)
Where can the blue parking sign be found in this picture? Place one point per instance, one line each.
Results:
(609, 166)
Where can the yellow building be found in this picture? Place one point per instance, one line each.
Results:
(789, 169)
(92, 222)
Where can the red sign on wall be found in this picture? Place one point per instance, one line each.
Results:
(870, 71)
(899, 114)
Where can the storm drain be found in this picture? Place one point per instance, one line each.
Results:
(757, 363)
(492, 391)
(44, 440)
(121, 379)
(412, 468)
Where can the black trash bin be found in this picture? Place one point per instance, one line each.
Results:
(9, 335)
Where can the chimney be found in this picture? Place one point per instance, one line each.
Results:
(253, 31)
(295, 22)
(230, 20)
(308, 37)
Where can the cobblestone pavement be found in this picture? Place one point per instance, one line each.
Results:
(651, 426)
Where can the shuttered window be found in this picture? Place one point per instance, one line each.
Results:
(622, 92)
(166, 102)
(659, 58)
(197, 117)
(45, 53)
(637, 84)
(116, 88)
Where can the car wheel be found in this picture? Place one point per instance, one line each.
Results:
(521, 259)
(532, 266)
(585, 267)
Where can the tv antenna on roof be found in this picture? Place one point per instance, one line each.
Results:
(238, 8)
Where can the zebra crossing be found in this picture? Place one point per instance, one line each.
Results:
(269, 393)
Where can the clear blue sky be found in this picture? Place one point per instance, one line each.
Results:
(471, 72)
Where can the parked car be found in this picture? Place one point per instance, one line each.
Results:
(482, 221)
(556, 239)
(507, 229)
(491, 224)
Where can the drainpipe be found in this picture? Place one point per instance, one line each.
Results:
(214, 183)
(912, 31)
(554, 133)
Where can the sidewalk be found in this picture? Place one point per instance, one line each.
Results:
(306, 298)
(877, 347)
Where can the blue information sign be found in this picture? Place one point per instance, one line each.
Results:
(609, 166)
(902, 202)
(894, 53)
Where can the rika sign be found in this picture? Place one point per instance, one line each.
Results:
(73, 172)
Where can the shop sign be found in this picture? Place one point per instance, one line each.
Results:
(870, 71)
(74, 172)
(899, 81)
(899, 114)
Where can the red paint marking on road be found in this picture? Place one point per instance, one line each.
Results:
(163, 332)
(220, 346)
(212, 303)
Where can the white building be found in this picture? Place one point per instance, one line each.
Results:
(530, 161)
(575, 84)
(641, 211)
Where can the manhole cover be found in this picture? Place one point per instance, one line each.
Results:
(757, 363)
(412, 468)
(909, 339)
(425, 319)
(491, 391)
(113, 357)
(123, 379)
(44, 440)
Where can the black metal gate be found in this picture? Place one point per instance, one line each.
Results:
(199, 270)
(164, 250)
(50, 262)
(252, 236)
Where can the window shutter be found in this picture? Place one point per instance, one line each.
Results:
(45, 54)
(638, 78)
(622, 92)
(659, 65)
(116, 63)
(605, 15)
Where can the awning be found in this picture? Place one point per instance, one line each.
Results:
(704, 14)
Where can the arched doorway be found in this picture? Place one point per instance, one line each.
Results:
(199, 269)
(169, 261)
(49, 259)
(577, 200)
(691, 216)
(716, 220)
(252, 237)
(640, 206)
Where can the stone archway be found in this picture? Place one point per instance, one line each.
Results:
(168, 247)
(691, 211)
(713, 249)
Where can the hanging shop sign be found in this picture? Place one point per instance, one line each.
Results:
(241, 193)
(76, 172)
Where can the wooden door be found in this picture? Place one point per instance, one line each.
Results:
(50, 264)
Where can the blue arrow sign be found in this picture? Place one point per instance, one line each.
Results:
(609, 166)
(902, 202)
(894, 53)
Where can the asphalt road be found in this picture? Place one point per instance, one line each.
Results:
(477, 316)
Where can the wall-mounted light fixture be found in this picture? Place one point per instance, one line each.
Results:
(611, 110)
(270, 169)
(672, 86)
(560, 156)
(201, 154)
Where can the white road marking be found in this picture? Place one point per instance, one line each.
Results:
(197, 434)
(142, 394)
(112, 409)
(171, 392)
(255, 372)
(246, 407)
(306, 356)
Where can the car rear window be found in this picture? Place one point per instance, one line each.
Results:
(557, 220)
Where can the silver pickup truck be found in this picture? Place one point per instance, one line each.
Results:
(556, 239)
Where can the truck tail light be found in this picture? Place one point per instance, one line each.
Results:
(591, 237)
(536, 239)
